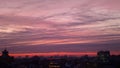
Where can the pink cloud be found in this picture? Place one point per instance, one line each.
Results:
(62, 23)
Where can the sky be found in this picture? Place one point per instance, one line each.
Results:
(59, 26)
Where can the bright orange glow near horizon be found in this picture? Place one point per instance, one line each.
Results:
(60, 54)
(55, 54)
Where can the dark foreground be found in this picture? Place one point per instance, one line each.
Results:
(61, 62)
(102, 60)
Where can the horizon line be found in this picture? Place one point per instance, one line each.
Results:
(59, 54)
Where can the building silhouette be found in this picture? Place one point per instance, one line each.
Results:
(5, 53)
(5, 59)
(103, 56)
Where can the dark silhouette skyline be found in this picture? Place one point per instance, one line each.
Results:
(102, 60)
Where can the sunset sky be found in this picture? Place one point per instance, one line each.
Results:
(60, 26)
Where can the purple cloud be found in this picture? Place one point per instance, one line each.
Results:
(55, 26)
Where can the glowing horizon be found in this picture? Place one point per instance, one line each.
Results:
(55, 54)
(60, 54)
